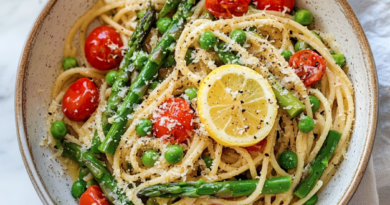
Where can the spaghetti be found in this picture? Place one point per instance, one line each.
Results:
(335, 94)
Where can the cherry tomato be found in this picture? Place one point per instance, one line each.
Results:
(93, 196)
(226, 8)
(103, 48)
(309, 66)
(80, 100)
(172, 121)
(259, 147)
(275, 5)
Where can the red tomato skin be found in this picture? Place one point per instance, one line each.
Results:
(173, 121)
(80, 100)
(227, 8)
(93, 196)
(275, 5)
(309, 66)
(259, 147)
(103, 48)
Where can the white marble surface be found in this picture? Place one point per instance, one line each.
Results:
(16, 20)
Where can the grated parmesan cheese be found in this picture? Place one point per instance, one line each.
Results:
(112, 46)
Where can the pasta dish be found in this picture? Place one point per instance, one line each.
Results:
(200, 102)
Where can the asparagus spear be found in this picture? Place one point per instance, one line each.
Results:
(95, 143)
(287, 100)
(226, 189)
(169, 6)
(127, 66)
(148, 73)
(101, 174)
(317, 167)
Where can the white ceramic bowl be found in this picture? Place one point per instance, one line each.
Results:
(43, 54)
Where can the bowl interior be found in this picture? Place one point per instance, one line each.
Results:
(43, 55)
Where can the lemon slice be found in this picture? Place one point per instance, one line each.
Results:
(236, 105)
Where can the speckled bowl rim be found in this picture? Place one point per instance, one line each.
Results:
(26, 151)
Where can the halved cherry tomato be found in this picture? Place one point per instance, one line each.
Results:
(309, 66)
(259, 147)
(80, 100)
(103, 48)
(93, 196)
(275, 5)
(172, 121)
(226, 8)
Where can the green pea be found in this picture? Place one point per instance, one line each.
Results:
(207, 40)
(306, 124)
(69, 62)
(140, 59)
(58, 129)
(300, 45)
(111, 77)
(152, 201)
(78, 188)
(286, 54)
(141, 14)
(315, 103)
(173, 154)
(163, 24)
(288, 160)
(340, 59)
(318, 36)
(208, 161)
(189, 57)
(144, 127)
(150, 157)
(170, 61)
(312, 201)
(83, 172)
(238, 36)
(191, 93)
(303, 17)
(154, 85)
